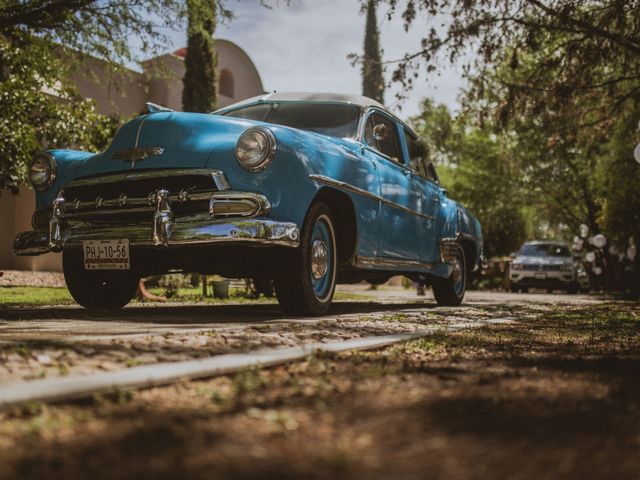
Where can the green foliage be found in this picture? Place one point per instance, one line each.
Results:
(173, 282)
(200, 82)
(619, 176)
(591, 47)
(102, 28)
(38, 44)
(27, 296)
(372, 78)
(38, 111)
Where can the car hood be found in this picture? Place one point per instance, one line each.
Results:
(542, 260)
(185, 140)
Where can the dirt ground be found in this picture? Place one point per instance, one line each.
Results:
(553, 394)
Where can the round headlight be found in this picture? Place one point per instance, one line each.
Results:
(256, 148)
(42, 171)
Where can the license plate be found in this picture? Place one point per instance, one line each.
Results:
(541, 276)
(106, 254)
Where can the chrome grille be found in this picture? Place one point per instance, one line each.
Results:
(542, 268)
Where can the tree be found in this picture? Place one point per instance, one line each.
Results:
(619, 174)
(38, 44)
(200, 80)
(592, 46)
(372, 78)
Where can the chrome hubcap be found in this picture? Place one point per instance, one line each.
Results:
(457, 271)
(319, 259)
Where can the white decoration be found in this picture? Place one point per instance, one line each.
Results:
(597, 271)
(599, 240)
(584, 231)
(590, 257)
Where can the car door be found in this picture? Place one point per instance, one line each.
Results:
(399, 222)
(427, 186)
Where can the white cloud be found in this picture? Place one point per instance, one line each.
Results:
(304, 47)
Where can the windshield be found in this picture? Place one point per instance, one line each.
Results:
(335, 120)
(545, 250)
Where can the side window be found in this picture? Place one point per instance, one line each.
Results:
(380, 133)
(431, 173)
(416, 154)
(417, 158)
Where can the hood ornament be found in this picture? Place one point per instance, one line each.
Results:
(137, 153)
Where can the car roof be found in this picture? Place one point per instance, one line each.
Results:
(319, 97)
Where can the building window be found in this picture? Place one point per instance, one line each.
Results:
(226, 83)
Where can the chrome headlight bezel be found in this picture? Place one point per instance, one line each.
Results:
(516, 266)
(48, 167)
(266, 154)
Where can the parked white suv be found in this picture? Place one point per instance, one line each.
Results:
(547, 265)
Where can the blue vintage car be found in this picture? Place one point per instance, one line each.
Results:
(306, 189)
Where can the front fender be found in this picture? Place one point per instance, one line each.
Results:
(67, 164)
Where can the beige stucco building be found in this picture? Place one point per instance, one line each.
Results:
(125, 95)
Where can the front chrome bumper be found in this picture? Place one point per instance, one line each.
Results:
(239, 231)
(542, 277)
(205, 213)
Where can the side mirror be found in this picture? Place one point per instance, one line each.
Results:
(380, 132)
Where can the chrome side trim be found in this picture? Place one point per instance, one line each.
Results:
(345, 186)
(395, 263)
(217, 177)
(358, 191)
(407, 210)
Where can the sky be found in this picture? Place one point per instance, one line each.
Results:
(304, 47)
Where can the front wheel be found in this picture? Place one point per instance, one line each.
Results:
(307, 280)
(450, 291)
(97, 288)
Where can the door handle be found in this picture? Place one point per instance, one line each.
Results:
(408, 173)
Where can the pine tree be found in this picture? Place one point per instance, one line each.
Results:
(372, 79)
(200, 93)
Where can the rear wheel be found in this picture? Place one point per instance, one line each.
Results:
(451, 291)
(307, 280)
(97, 288)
